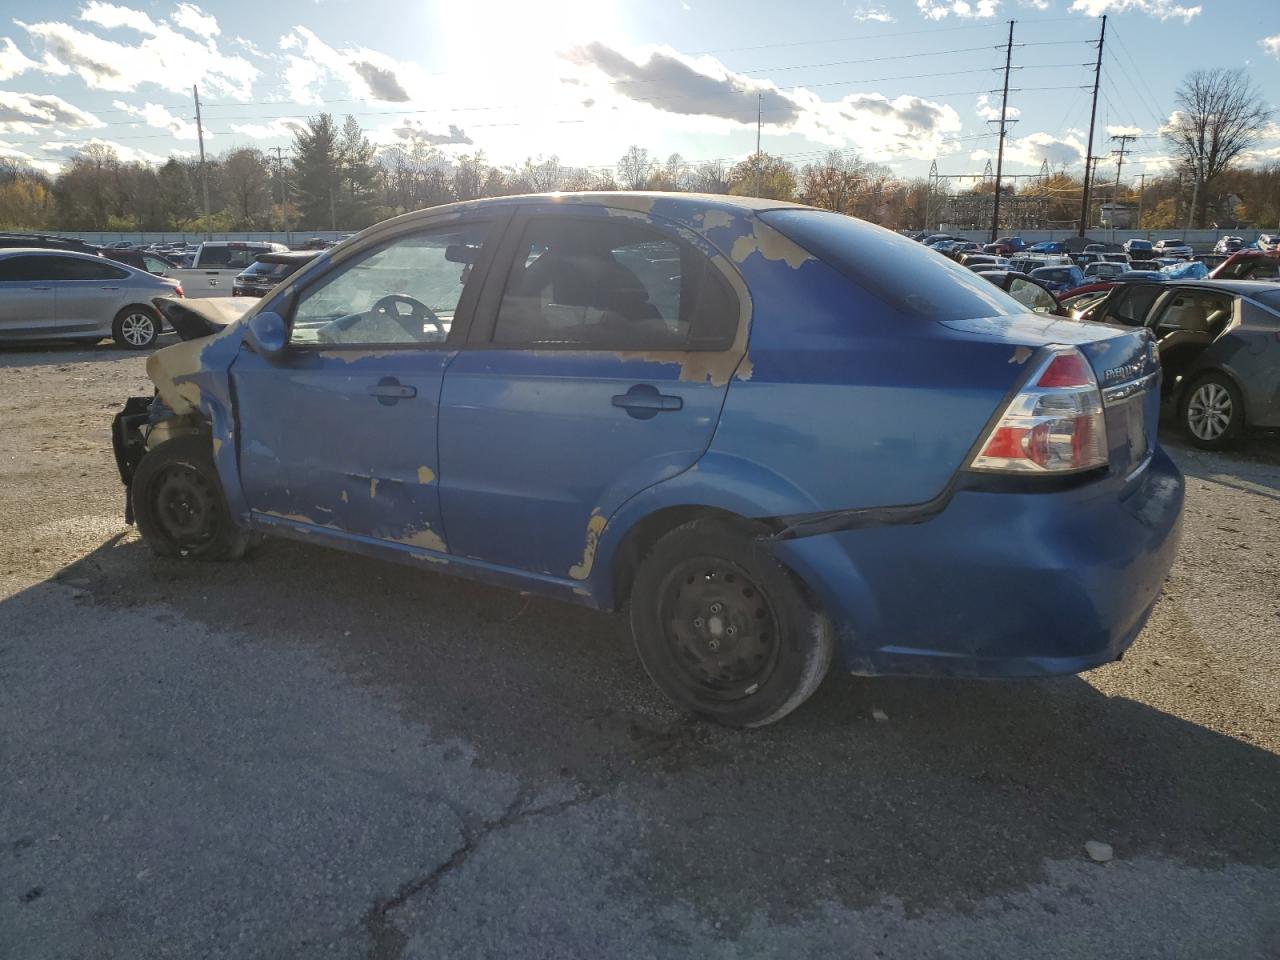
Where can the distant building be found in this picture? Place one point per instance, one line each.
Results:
(1119, 216)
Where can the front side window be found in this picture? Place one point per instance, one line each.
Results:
(74, 268)
(404, 293)
(612, 284)
(26, 269)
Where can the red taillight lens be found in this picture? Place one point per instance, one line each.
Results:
(177, 291)
(1055, 425)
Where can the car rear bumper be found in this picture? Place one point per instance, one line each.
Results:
(1000, 584)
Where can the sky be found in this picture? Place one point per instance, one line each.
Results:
(905, 83)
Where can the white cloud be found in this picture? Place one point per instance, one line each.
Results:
(964, 9)
(365, 72)
(13, 61)
(1119, 131)
(991, 111)
(155, 115)
(1040, 5)
(1035, 148)
(980, 156)
(1271, 45)
(194, 20)
(276, 128)
(1161, 9)
(67, 149)
(12, 151)
(37, 112)
(874, 14)
(164, 56)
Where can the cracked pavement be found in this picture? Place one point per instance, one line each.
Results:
(310, 754)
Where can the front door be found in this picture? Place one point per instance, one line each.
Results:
(26, 297)
(340, 431)
(87, 293)
(598, 366)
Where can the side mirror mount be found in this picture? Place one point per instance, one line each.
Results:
(267, 334)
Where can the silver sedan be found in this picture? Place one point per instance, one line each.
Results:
(59, 295)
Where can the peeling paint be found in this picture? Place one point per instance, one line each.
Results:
(1020, 355)
(714, 219)
(771, 245)
(425, 475)
(373, 487)
(595, 526)
(745, 369)
(217, 445)
(169, 368)
(426, 538)
(640, 204)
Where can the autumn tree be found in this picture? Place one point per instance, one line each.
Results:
(763, 175)
(1219, 115)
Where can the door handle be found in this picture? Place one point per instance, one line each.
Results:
(42, 288)
(110, 288)
(644, 402)
(390, 391)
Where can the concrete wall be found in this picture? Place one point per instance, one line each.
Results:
(1201, 240)
(109, 236)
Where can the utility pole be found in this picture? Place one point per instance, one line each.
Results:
(204, 172)
(1004, 113)
(1093, 117)
(759, 124)
(1124, 139)
(1142, 189)
(284, 195)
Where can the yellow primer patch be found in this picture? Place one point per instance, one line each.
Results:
(595, 526)
(172, 364)
(426, 538)
(373, 487)
(744, 370)
(425, 475)
(716, 218)
(217, 445)
(771, 245)
(1020, 355)
(639, 204)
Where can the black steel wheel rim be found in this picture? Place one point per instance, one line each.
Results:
(185, 506)
(720, 628)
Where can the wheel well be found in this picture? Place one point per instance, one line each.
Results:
(649, 530)
(1188, 382)
(142, 307)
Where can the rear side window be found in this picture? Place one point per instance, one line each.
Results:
(879, 260)
(613, 285)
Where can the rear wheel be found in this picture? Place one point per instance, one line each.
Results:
(178, 502)
(725, 630)
(1212, 412)
(136, 328)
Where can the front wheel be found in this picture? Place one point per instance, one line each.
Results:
(136, 328)
(178, 502)
(725, 630)
(1212, 412)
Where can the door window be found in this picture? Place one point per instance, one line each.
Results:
(607, 284)
(1131, 305)
(1032, 296)
(404, 293)
(1196, 311)
(26, 269)
(156, 265)
(74, 268)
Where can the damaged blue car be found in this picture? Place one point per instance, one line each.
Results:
(721, 414)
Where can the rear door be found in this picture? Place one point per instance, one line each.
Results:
(87, 293)
(26, 297)
(597, 366)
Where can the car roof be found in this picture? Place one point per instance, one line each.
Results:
(54, 252)
(1240, 288)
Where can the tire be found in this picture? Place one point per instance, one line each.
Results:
(1211, 412)
(725, 630)
(179, 505)
(136, 328)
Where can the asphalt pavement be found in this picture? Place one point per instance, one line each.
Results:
(310, 754)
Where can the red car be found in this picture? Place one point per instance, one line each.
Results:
(1249, 265)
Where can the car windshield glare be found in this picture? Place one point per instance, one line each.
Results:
(939, 289)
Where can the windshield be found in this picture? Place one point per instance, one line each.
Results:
(939, 289)
(273, 271)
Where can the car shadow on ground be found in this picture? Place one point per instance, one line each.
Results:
(959, 790)
(1253, 465)
(53, 353)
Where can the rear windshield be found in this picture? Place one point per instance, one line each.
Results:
(880, 260)
(1052, 274)
(276, 271)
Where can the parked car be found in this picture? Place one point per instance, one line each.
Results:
(1060, 279)
(1047, 246)
(1104, 269)
(268, 270)
(1115, 258)
(973, 259)
(1144, 265)
(1027, 263)
(1172, 248)
(28, 241)
(1098, 248)
(1219, 343)
(1228, 245)
(1131, 275)
(1082, 260)
(1268, 242)
(1249, 265)
(1137, 249)
(216, 263)
(64, 295)
(581, 396)
(1007, 246)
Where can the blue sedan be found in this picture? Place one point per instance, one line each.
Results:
(720, 414)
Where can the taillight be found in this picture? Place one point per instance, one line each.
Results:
(177, 291)
(1054, 425)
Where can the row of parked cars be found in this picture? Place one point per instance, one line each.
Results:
(52, 288)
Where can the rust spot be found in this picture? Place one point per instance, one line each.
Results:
(1020, 355)
(595, 526)
(425, 475)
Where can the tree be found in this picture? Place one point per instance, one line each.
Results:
(247, 181)
(711, 177)
(634, 168)
(315, 170)
(776, 178)
(357, 175)
(1219, 115)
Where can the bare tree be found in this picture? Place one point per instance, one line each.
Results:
(1219, 115)
(634, 168)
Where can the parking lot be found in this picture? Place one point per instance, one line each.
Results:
(312, 754)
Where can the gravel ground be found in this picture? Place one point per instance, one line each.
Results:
(311, 754)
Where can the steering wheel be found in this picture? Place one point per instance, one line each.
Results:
(419, 314)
